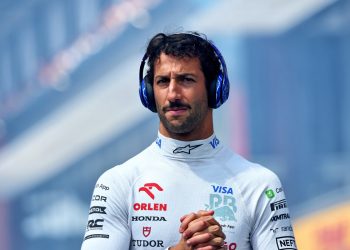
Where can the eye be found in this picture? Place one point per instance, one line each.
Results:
(162, 81)
(187, 79)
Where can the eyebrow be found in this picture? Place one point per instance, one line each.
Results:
(177, 75)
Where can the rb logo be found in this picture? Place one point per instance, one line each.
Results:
(224, 207)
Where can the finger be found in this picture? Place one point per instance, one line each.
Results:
(199, 239)
(205, 212)
(202, 225)
(215, 243)
(210, 248)
(199, 213)
(206, 248)
(183, 217)
(210, 220)
(199, 226)
(216, 231)
(186, 221)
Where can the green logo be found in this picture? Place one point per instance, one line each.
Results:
(269, 193)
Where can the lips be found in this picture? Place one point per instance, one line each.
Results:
(176, 111)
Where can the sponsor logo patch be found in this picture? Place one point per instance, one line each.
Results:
(146, 231)
(101, 186)
(97, 197)
(280, 217)
(215, 142)
(269, 193)
(286, 243)
(105, 236)
(95, 224)
(97, 210)
(282, 229)
(150, 206)
(159, 142)
(148, 187)
(223, 203)
(147, 243)
(222, 189)
(278, 205)
(186, 150)
(148, 218)
(230, 246)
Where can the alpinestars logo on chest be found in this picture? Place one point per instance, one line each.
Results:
(186, 149)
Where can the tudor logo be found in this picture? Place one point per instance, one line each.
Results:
(146, 231)
(147, 189)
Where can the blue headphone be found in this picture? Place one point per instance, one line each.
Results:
(218, 91)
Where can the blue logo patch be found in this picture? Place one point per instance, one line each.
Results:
(222, 190)
(159, 142)
(215, 142)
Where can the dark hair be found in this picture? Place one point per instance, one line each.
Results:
(181, 45)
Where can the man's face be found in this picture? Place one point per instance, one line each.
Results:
(180, 94)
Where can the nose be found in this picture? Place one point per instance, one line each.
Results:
(174, 90)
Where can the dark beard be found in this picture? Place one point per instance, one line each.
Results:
(197, 114)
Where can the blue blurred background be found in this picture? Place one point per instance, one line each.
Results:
(69, 105)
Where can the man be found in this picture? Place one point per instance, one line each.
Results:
(187, 190)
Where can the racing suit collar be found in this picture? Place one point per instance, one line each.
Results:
(187, 149)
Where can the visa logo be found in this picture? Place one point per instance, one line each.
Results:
(215, 142)
(222, 190)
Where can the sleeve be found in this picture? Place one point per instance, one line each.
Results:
(272, 227)
(107, 227)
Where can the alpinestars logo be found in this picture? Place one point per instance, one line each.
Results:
(187, 149)
(147, 189)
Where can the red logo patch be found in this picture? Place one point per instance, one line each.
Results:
(147, 189)
(146, 231)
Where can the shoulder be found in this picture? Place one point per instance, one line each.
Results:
(260, 174)
(252, 180)
(248, 171)
(130, 169)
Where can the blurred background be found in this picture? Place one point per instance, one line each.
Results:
(69, 107)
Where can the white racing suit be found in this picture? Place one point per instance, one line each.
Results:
(137, 205)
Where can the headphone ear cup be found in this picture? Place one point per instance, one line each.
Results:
(148, 94)
(212, 94)
(225, 89)
(215, 92)
(143, 93)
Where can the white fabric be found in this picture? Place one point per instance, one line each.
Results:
(138, 204)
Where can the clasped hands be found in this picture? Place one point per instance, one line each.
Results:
(200, 231)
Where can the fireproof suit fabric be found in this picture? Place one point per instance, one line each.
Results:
(137, 205)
